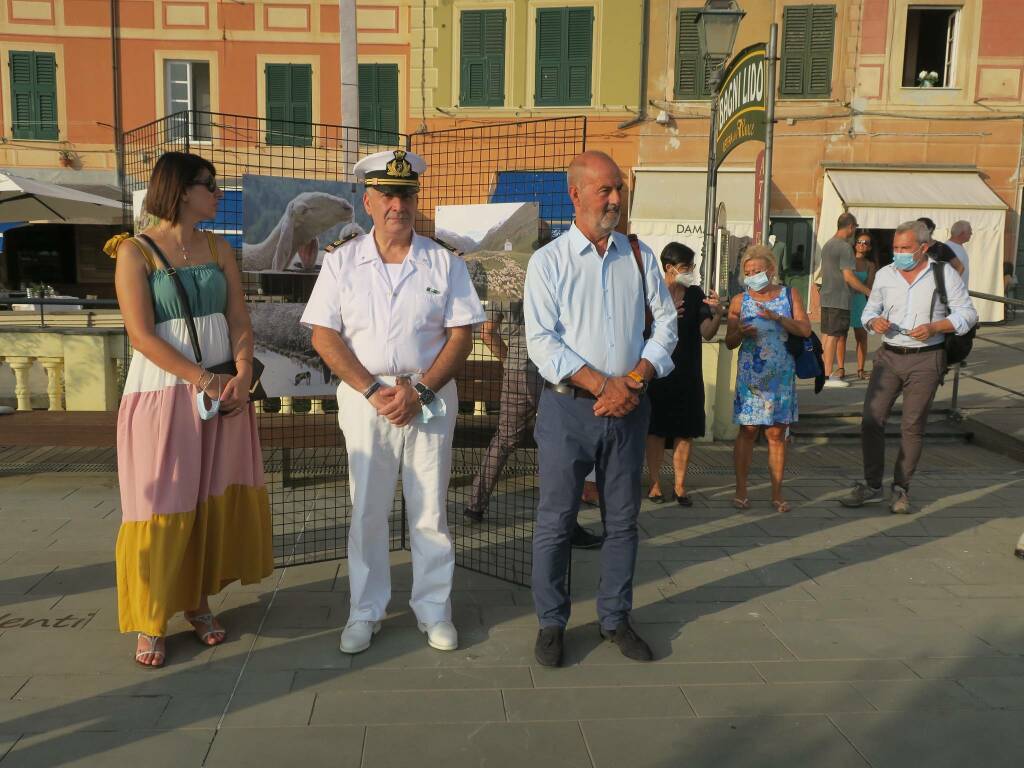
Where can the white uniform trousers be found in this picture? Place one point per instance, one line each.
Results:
(376, 451)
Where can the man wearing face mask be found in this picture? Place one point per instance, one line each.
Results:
(585, 303)
(904, 309)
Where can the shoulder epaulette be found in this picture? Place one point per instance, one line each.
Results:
(338, 243)
(447, 247)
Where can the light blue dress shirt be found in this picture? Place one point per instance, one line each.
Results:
(908, 305)
(586, 308)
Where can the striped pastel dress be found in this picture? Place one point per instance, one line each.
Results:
(195, 514)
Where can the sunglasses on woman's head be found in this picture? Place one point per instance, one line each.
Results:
(210, 184)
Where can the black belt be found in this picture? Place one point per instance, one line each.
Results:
(912, 350)
(569, 390)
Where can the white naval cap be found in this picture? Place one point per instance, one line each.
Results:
(392, 168)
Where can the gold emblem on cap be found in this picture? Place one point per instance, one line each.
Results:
(399, 168)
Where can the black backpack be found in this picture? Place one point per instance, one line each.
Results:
(957, 347)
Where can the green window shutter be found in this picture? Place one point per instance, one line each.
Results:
(548, 89)
(494, 51)
(482, 65)
(822, 38)
(33, 95)
(378, 104)
(808, 40)
(796, 22)
(688, 55)
(289, 104)
(579, 55)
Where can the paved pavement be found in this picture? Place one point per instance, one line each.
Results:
(823, 637)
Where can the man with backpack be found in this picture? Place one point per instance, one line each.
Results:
(926, 317)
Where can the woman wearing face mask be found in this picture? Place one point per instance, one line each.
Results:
(195, 515)
(760, 320)
(677, 401)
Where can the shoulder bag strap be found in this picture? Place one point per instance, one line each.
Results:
(634, 243)
(186, 309)
(938, 272)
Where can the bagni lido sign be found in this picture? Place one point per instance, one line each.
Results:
(742, 101)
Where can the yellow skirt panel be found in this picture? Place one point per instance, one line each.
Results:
(167, 564)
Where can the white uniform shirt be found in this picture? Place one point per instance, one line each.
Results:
(908, 305)
(393, 326)
(961, 253)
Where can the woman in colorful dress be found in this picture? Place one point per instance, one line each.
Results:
(677, 401)
(865, 268)
(195, 514)
(760, 320)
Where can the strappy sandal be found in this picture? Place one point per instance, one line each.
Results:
(202, 623)
(151, 650)
(861, 374)
(841, 373)
(781, 506)
(743, 503)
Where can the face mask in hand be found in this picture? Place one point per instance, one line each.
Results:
(686, 279)
(756, 282)
(904, 261)
(206, 413)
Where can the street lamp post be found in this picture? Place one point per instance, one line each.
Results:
(717, 24)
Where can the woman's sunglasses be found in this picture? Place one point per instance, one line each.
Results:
(863, 242)
(210, 184)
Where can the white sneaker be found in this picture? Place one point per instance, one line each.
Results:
(441, 636)
(834, 381)
(357, 635)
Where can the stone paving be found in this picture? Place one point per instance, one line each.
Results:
(823, 637)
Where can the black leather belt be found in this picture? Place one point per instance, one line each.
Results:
(569, 390)
(912, 350)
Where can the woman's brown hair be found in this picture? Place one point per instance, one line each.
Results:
(173, 173)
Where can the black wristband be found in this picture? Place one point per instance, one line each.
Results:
(368, 392)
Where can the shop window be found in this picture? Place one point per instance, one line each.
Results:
(929, 58)
(187, 95)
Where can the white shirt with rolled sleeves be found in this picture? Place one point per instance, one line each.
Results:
(586, 308)
(909, 305)
(394, 328)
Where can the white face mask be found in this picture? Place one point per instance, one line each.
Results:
(686, 279)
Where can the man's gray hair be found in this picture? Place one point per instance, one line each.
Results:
(918, 228)
(959, 228)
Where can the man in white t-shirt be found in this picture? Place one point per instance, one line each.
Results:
(959, 234)
(392, 314)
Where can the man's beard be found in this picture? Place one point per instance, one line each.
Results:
(610, 219)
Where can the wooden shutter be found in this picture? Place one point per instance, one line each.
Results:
(549, 90)
(367, 104)
(482, 59)
(579, 55)
(808, 39)
(278, 86)
(795, 33)
(33, 95)
(378, 103)
(688, 55)
(494, 53)
(300, 107)
(822, 43)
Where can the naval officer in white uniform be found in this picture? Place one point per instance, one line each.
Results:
(392, 314)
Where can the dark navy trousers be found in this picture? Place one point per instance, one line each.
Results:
(571, 441)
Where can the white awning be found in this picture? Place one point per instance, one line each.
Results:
(884, 199)
(677, 194)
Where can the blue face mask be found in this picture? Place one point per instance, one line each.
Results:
(904, 261)
(206, 413)
(756, 282)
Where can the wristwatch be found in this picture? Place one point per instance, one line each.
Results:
(425, 392)
(635, 376)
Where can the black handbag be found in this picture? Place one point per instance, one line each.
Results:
(957, 347)
(256, 391)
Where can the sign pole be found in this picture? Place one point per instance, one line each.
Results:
(772, 66)
(707, 271)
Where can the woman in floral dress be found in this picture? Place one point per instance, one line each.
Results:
(760, 320)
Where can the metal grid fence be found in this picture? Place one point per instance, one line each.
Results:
(304, 453)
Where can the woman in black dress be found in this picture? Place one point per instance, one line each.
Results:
(677, 401)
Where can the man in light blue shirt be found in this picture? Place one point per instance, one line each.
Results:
(586, 307)
(905, 309)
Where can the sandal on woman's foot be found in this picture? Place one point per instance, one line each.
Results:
(861, 374)
(840, 373)
(743, 503)
(207, 629)
(657, 498)
(781, 506)
(149, 651)
(683, 500)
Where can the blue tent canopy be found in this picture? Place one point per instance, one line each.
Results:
(548, 188)
(228, 221)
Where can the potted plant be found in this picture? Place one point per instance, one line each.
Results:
(926, 79)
